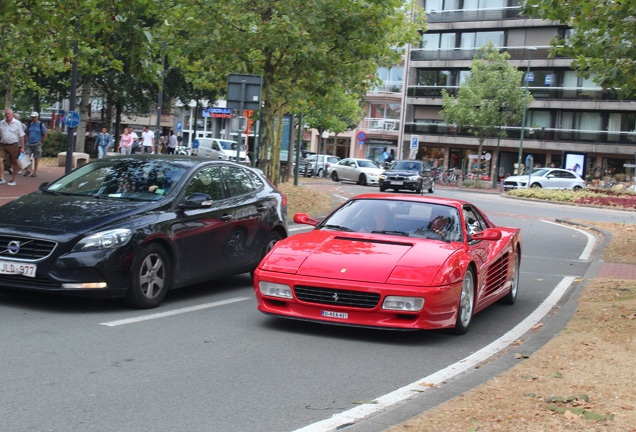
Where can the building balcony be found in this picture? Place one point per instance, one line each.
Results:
(461, 15)
(381, 125)
(599, 137)
(455, 54)
(549, 93)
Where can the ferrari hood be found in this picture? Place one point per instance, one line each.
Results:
(359, 257)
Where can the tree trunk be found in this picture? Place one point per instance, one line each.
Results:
(85, 101)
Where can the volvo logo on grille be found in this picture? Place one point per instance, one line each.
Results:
(13, 247)
(335, 297)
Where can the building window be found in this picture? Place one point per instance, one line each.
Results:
(439, 78)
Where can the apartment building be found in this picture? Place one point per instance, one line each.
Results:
(571, 119)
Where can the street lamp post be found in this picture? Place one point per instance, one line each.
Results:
(525, 109)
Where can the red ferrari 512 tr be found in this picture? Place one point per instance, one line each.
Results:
(392, 261)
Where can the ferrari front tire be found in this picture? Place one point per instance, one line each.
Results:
(466, 303)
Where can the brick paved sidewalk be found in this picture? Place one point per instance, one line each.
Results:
(25, 185)
(617, 271)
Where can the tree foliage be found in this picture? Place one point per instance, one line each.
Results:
(602, 39)
(313, 56)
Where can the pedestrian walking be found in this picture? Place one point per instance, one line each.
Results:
(36, 134)
(126, 142)
(148, 140)
(11, 143)
(103, 141)
(172, 142)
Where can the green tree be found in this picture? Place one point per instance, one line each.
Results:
(602, 38)
(302, 49)
(490, 98)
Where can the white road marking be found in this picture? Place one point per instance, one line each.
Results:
(591, 239)
(172, 312)
(438, 378)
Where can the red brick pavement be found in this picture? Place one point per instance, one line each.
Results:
(25, 185)
(617, 271)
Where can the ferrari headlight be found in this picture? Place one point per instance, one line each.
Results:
(104, 240)
(410, 304)
(275, 289)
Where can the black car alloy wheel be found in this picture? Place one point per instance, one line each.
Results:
(151, 278)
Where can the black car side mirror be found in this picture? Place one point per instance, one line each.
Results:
(197, 200)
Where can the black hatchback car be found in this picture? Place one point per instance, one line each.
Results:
(410, 175)
(138, 226)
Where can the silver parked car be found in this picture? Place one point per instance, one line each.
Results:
(547, 178)
(361, 171)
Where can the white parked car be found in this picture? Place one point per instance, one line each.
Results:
(361, 171)
(215, 148)
(547, 178)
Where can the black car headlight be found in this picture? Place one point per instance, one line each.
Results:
(104, 240)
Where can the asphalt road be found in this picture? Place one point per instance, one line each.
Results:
(207, 360)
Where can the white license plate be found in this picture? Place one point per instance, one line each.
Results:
(9, 267)
(397, 183)
(340, 315)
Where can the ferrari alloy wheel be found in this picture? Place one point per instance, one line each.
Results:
(466, 303)
(334, 176)
(511, 297)
(151, 278)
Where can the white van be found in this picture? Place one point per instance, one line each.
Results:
(216, 148)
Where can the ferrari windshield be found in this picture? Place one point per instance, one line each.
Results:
(145, 180)
(395, 217)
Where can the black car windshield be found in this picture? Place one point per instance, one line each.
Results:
(395, 217)
(407, 166)
(121, 178)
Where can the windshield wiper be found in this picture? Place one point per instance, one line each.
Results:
(401, 233)
(337, 228)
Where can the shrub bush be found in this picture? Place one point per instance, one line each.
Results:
(55, 143)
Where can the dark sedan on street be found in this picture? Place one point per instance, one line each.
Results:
(138, 226)
(410, 175)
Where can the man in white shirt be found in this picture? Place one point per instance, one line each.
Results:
(11, 143)
(148, 140)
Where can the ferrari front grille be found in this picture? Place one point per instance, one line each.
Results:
(337, 297)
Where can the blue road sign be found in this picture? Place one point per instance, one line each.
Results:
(72, 119)
(179, 126)
(415, 140)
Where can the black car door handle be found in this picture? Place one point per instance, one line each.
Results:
(226, 217)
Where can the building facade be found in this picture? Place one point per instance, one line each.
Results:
(571, 119)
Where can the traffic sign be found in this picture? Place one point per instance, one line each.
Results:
(72, 119)
(362, 136)
(415, 141)
(179, 126)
